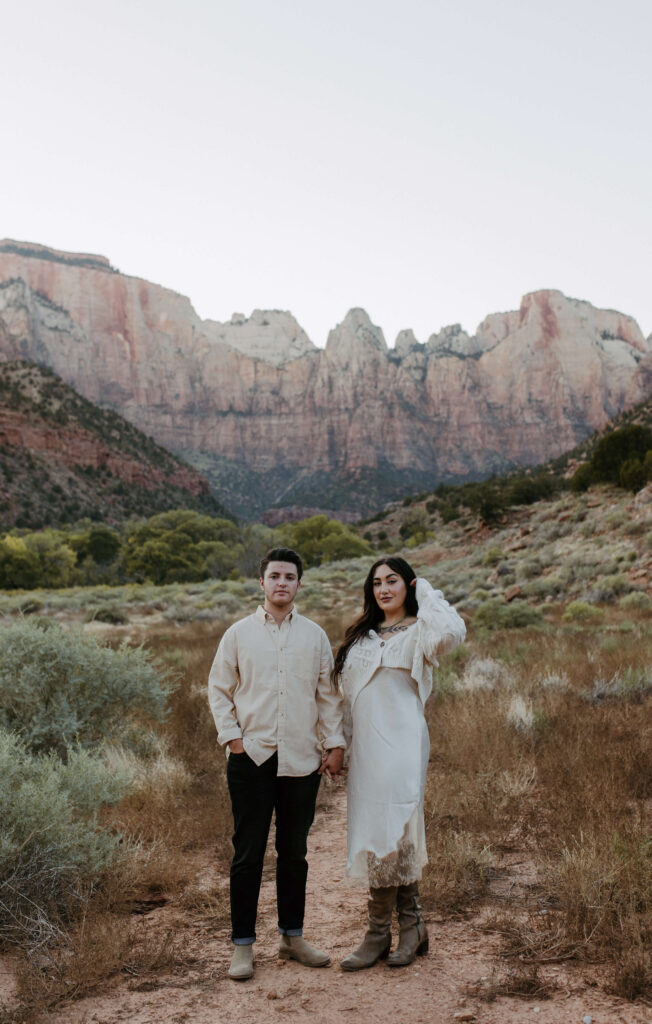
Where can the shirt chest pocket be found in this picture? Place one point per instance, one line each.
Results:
(303, 664)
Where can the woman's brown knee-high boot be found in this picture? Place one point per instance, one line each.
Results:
(378, 938)
(413, 936)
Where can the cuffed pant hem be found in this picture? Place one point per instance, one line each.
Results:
(291, 932)
(244, 942)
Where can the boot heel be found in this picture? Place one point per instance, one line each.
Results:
(423, 947)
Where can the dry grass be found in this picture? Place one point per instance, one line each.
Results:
(524, 757)
(102, 946)
(179, 805)
(537, 751)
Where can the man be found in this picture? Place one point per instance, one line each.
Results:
(275, 709)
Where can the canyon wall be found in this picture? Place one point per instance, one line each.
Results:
(273, 420)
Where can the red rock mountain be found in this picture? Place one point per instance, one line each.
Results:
(273, 420)
(63, 459)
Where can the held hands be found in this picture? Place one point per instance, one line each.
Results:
(332, 762)
(236, 746)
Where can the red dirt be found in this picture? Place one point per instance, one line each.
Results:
(433, 989)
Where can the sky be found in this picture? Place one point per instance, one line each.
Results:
(429, 161)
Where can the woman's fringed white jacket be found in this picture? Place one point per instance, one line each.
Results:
(437, 630)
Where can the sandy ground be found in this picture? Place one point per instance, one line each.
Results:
(434, 989)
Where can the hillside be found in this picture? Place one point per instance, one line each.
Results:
(274, 421)
(638, 414)
(62, 458)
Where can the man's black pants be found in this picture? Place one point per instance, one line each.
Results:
(256, 791)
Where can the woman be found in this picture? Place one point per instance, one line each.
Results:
(384, 668)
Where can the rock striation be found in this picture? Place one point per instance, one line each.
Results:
(273, 420)
(62, 458)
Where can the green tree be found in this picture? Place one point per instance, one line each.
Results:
(414, 527)
(56, 558)
(181, 546)
(99, 543)
(632, 475)
(320, 539)
(582, 478)
(19, 567)
(616, 448)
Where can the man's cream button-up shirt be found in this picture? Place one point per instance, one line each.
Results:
(270, 685)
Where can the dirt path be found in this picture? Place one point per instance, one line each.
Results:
(433, 989)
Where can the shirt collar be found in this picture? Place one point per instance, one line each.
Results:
(266, 617)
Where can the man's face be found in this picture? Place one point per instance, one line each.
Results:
(280, 583)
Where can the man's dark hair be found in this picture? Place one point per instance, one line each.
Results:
(281, 555)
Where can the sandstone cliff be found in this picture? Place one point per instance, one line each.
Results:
(273, 420)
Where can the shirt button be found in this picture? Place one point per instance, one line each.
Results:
(382, 643)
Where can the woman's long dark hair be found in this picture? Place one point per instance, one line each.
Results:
(373, 614)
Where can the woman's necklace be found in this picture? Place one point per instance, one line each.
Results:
(393, 627)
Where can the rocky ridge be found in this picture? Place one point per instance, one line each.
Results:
(273, 420)
(61, 458)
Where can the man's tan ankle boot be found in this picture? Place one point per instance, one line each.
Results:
(242, 963)
(295, 947)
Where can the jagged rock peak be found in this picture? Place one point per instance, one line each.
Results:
(357, 329)
(405, 342)
(272, 335)
(44, 252)
(559, 316)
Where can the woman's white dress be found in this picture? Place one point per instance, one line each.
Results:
(385, 684)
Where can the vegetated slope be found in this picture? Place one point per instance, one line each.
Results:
(62, 458)
(640, 414)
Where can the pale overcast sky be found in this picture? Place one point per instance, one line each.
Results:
(429, 160)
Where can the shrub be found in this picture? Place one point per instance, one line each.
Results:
(58, 688)
(582, 478)
(496, 614)
(112, 614)
(632, 475)
(618, 447)
(631, 684)
(615, 585)
(51, 850)
(414, 527)
(637, 600)
(520, 714)
(487, 501)
(483, 674)
(580, 611)
(525, 490)
(492, 556)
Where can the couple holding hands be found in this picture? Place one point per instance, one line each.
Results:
(287, 714)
